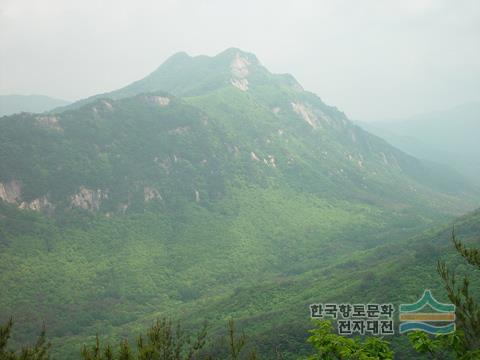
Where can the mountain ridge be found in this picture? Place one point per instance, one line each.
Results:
(269, 108)
(11, 104)
(241, 193)
(160, 78)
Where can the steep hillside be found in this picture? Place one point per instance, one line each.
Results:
(238, 122)
(396, 273)
(212, 188)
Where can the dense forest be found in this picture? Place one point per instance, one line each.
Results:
(208, 191)
(165, 340)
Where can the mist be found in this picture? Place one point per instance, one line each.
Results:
(374, 60)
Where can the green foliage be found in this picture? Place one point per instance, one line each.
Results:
(236, 264)
(166, 342)
(38, 351)
(162, 341)
(443, 346)
(467, 307)
(237, 344)
(321, 212)
(330, 346)
(464, 343)
(96, 353)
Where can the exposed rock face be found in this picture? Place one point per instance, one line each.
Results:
(179, 130)
(270, 161)
(160, 100)
(88, 199)
(108, 105)
(306, 113)
(156, 100)
(239, 71)
(39, 204)
(150, 193)
(123, 208)
(354, 137)
(10, 192)
(236, 151)
(241, 84)
(49, 122)
(166, 164)
(384, 158)
(239, 67)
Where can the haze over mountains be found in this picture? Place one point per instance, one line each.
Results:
(259, 119)
(11, 104)
(211, 188)
(447, 137)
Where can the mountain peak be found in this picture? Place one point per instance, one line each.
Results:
(178, 56)
(185, 75)
(232, 53)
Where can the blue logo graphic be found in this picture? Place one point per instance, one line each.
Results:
(443, 318)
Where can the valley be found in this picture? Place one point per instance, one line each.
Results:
(212, 189)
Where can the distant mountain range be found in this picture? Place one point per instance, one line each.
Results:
(12, 104)
(448, 137)
(211, 188)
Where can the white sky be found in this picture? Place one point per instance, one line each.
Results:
(373, 59)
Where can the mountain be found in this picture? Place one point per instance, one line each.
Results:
(11, 104)
(211, 188)
(395, 272)
(446, 137)
(183, 75)
(269, 111)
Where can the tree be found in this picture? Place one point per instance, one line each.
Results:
(331, 346)
(236, 344)
(125, 353)
(166, 342)
(464, 344)
(39, 351)
(467, 309)
(96, 353)
(441, 346)
(4, 336)
(162, 341)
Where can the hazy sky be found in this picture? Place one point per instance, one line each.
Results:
(372, 59)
